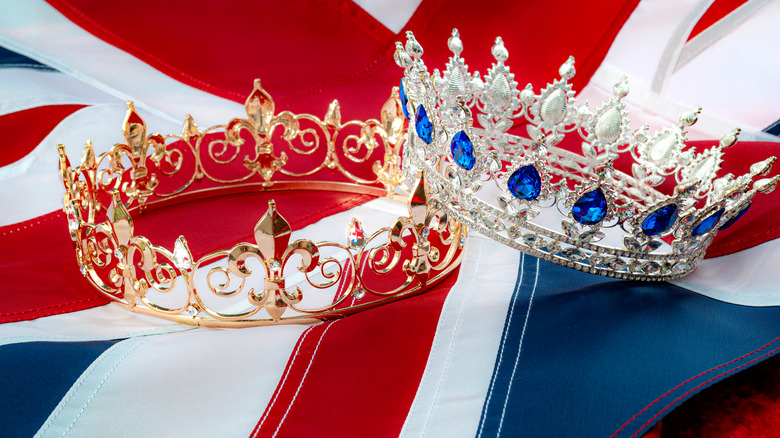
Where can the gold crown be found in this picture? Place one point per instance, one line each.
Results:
(416, 251)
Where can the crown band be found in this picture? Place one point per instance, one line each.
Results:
(247, 285)
(574, 210)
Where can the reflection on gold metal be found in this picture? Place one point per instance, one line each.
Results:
(248, 284)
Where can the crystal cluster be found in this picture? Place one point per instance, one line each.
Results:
(499, 182)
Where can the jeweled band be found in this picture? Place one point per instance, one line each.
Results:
(574, 210)
(248, 284)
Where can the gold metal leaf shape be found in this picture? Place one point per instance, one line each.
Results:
(88, 156)
(120, 219)
(272, 233)
(393, 118)
(134, 129)
(260, 109)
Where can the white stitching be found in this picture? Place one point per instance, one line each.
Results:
(519, 348)
(306, 373)
(515, 294)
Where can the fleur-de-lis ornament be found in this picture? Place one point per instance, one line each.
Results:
(272, 234)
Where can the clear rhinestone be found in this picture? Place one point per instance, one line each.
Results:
(462, 241)
(569, 229)
(118, 253)
(274, 265)
(513, 232)
(191, 310)
(574, 254)
(592, 236)
(553, 247)
(359, 293)
(650, 246)
(596, 259)
(616, 264)
(635, 266)
(83, 270)
(651, 267)
(425, 232)
(531, 240)
(680, 267)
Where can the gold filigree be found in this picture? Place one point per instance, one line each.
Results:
(250, 284)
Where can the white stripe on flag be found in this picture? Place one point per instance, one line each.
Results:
(61, 44)
(204, 382)
(32, 184)
(457, 375)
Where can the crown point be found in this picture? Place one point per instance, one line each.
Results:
(766, 185)
(88, 156)
(499, 51)
(762, 167)
(690, 118)
(567, 70)
(729, 139)
(402, 58)
(621, 88)
(454, 43)
(412, 46)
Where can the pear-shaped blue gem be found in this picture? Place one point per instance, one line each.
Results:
(707, 223)
(731, 221)
(404, 99)
(591, 208)
(463, 151)
(423, 125)
(659, 221)
(525, 183)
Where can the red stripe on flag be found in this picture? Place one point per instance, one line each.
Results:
(308, 53)
(717, 10)
(38, 268)
(366, 366)
(24, 130)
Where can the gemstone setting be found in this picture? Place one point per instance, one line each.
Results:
(423, 125)
(404, 99)
(525, 183)
(463, 151)
(660, 220)
(731, 221)
(707, 223)
(591, 208)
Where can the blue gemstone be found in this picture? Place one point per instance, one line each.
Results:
(423, 126)
(525, 183)
(404, 99)
(591, 208)
(463, 151)
(731, 221)
(659, 221)
(707, 223)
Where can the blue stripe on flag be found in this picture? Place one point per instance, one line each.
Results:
(773, 129)
(10, 59)
(584, 355)
(35, 376)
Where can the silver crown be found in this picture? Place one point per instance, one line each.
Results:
(573, 210)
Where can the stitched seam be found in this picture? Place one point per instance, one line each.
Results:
(725, 373)
(306, 373)
(503, 343)
(81, 381)
(145, 53)
(50, 307)
(27, 224)
(452, 343)
(281, 385)
(688, 381)
(40, 67)
(519, 349)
